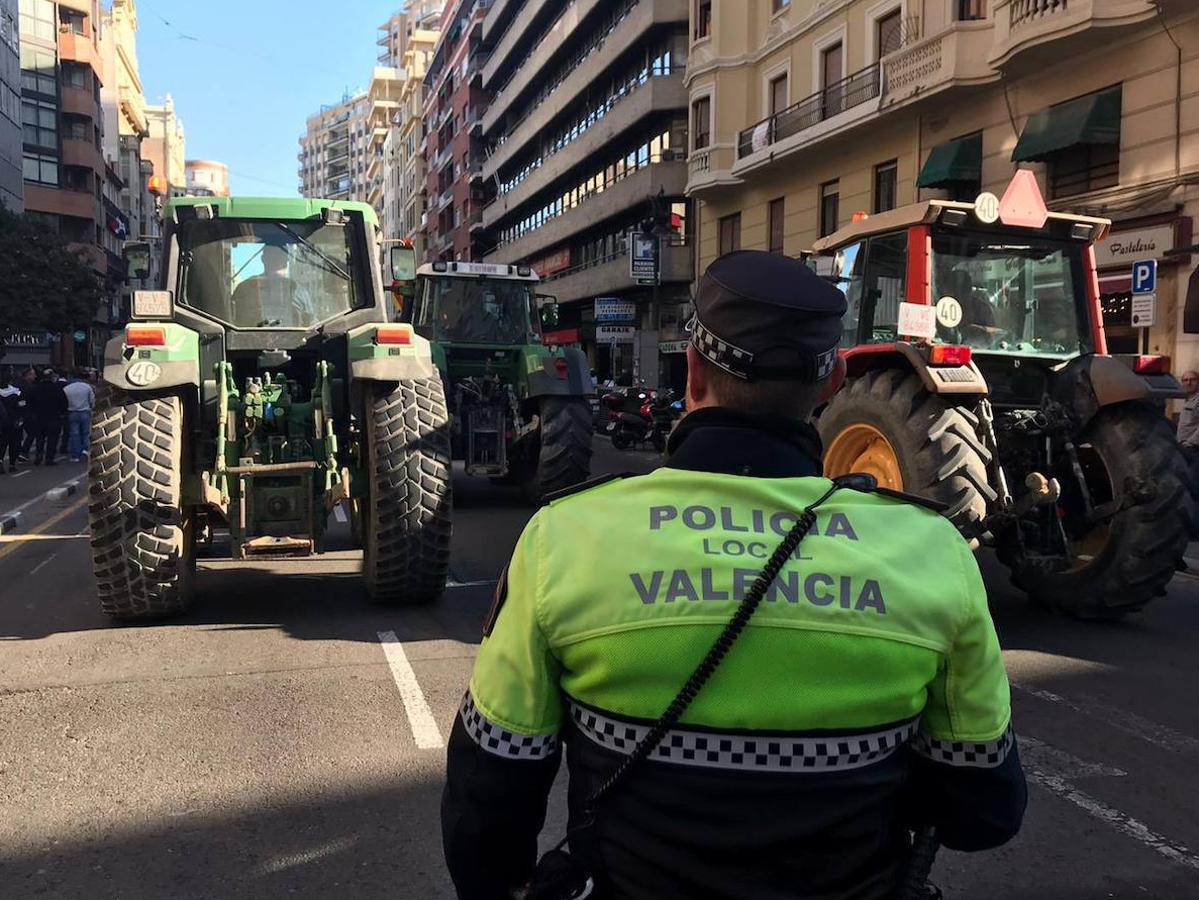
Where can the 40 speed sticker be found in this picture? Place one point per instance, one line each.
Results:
(143, 373)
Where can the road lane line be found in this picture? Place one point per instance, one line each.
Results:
(71, 485)
(1046, 756)
(420, 717)
(1134, 828)
(20, 474)
(45, 562)
(1130, 723)
(45, 526)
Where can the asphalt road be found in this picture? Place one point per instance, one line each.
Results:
(260, 747)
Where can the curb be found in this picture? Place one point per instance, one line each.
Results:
(58, 494)
(10, 522)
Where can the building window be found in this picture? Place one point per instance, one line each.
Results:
(779, 5)
(38, 20)
(1086, 167)
(41, 169)
(703, 18)
(888, 32)
(74, 76)
(74, 20)
(77, 130)
(38, 71)
(885, 182)
(40, 123)
(971, 10)
(830, 203)
(730, 234)
(774, 219)
(778, 94)
(701, 117)
(831, 59)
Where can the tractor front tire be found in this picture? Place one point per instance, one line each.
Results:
(564, 459)
(407, 520)
(890, 426)
(1144, 543)
(143, 546)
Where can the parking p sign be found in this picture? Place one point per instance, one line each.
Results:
(1144, 276)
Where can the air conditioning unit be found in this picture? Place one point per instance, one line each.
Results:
(670, 155)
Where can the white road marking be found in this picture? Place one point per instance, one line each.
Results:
(1046, 756)
(420, 717)
(1122, 720)
(451, 583)
(20, 474)
(339, 513)
(291, 860)
(42, 564)
(43, 496)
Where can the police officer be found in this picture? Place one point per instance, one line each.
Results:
(866, 696)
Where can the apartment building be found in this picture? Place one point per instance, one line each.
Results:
(587, 136)
(333, 156)
(12, 192)
(397, 31)
(166, 147)
(805, 113)
(405, 196)
(383, 100)
(207, 178)
(453, 144)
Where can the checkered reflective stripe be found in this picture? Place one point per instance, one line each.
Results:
(732, 359)
(773, 753)
(498, 740)
(978, 755)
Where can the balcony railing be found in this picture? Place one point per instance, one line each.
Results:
(700, 161)
(1024, 11)
(838, 97)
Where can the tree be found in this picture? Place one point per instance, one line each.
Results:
(44, 286)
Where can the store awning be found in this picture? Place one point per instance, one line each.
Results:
(953, 162)
(1093, 119)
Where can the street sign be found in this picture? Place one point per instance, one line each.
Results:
(1143, 308)
(613, 309)
(616, 334)
(1144, 276)
(643, 257)
(986, 207)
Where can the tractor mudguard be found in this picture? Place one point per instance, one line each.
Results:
(548, 381)
(151, 367)
(409, 359)
(1087, 384)
(965, 379)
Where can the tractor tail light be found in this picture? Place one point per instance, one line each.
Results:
(393, 335)
(145, 337)
(949, 355)
(1152, 365)
(560, 368)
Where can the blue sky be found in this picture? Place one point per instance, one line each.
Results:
(246, 73)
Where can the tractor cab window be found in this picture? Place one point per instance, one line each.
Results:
(844, 270)
(259, 274)
(1010, 294)
(476, 310)
(883, 286)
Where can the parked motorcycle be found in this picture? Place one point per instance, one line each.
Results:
(651, 424)
(617, 400)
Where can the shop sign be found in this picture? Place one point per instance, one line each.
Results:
(554, 262)
(1123, 248)
(673, 346)
(26, 339)
(615, 334)
(612, 309)
(643, 259)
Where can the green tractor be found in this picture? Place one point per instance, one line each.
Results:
(519, 408)
(262, 388)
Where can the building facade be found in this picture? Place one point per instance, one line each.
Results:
(453, 142)
(587, 133)
(383, 100)
(405, 214)
(166, 147)
(333, 157)
(805, 113)
(12, 189)
(206, 178)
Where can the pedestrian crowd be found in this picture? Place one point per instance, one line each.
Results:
(44, 413)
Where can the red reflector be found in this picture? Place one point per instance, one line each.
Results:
(1152, 365)
(949, 355)
(560, 367)
(146, 337)
(393, 336)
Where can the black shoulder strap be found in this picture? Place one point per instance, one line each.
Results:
(584, 486)
(868, 484)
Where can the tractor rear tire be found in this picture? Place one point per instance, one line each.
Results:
(564, 459)
(143, 544)
(936, 447)
(407, 516)
(1145, 542)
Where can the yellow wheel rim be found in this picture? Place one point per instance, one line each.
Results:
(862, 449)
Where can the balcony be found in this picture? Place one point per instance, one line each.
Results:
(61, 202)
(516, 31)
(631, 29)
(710, 167)
(475, 220)
(82, 153)
(1066, 26)
(77, 48)
(443, 157)
(610, 274)
(955, 57)
(78, 102)
(657, 95)
(631, 192)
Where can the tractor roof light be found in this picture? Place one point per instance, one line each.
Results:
(949, 355)
(524, 271)
(860, 216)
(393, 335)
(143, 336)
(1151, 365)
(560, 368)
(440, 266)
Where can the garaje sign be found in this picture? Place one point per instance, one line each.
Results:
(1123, 248)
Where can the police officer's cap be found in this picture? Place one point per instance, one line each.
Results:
(765, 316)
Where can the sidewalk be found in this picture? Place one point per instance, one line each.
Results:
(21, 492)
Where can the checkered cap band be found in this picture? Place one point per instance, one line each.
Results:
(498, 740)
(732, 359)
(970, 754)
(767, 752)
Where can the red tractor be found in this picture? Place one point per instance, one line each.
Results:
(979, 377)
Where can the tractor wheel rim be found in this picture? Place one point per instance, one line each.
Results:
(1087, 547)
(863, 449)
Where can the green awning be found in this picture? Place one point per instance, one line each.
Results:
(1093, 119)
(952, 162)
